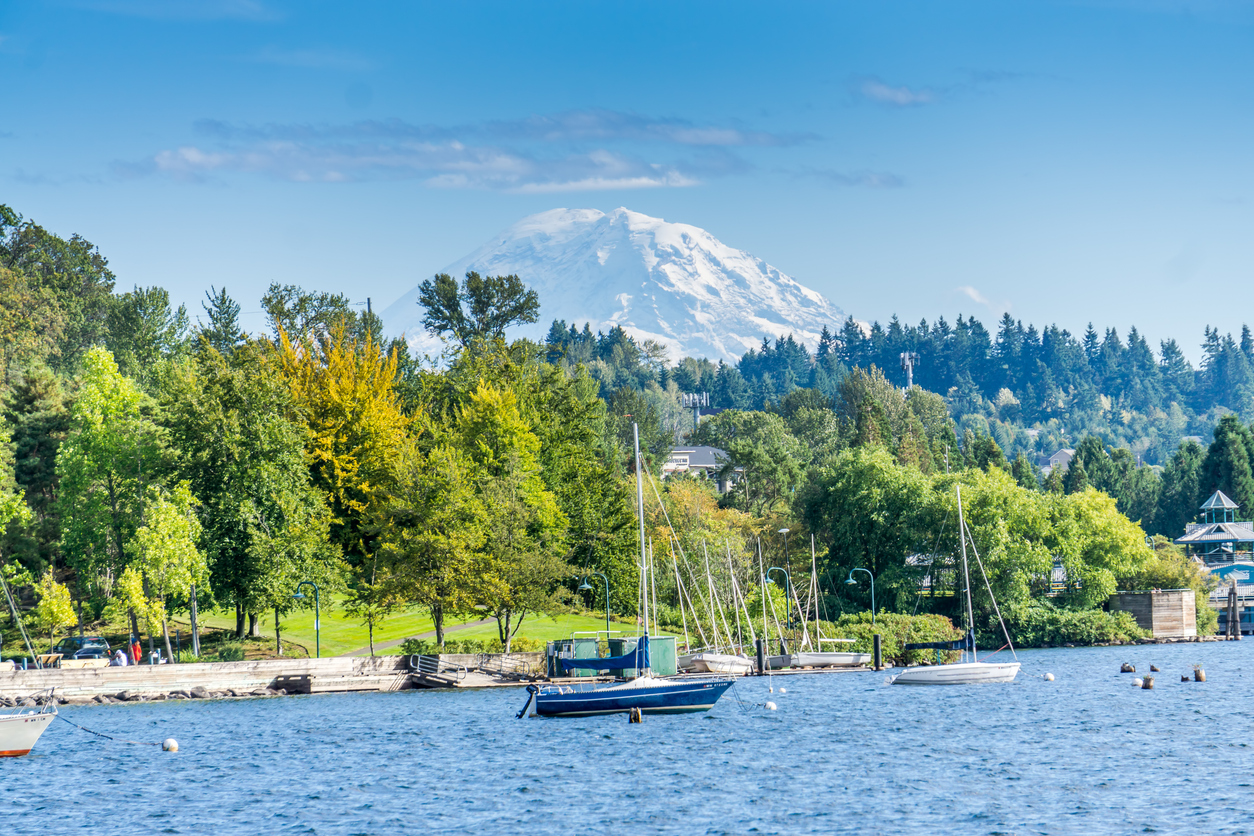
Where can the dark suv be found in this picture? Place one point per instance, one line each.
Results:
(82, 647)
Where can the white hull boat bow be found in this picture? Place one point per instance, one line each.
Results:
(20, 729)
(962, 673)
(721, 663)
(830, 659)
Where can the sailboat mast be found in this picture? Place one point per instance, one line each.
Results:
(966, 575)
(644, 592)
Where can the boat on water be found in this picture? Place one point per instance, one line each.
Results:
(830, 658)
(645, 693)
(720, 663)
(21, 727)
(973, 672)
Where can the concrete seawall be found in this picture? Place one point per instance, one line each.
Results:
(380, 673)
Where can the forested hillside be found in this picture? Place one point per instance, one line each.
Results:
(143, 456)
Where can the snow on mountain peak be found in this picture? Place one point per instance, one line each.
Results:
(670, 282)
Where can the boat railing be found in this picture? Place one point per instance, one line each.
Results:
(41, 702)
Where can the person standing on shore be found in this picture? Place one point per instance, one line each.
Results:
(135, 650)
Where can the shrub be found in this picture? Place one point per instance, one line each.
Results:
(1040, 622)
(417, 647)
(231, 652)
(896, 630)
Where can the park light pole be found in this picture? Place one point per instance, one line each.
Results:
(585, 586)
(852, 582)
(317, 627)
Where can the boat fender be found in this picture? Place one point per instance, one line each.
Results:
(770, 706)
(1137, 683)
(1049, 677)
(169, 745)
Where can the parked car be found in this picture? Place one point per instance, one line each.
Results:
(83, 647)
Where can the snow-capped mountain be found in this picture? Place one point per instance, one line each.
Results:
(670, 282)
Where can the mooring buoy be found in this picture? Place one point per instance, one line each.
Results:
(783, 690)
(1138, 682)
(1049, 677)
(170, 745)
(770, 706)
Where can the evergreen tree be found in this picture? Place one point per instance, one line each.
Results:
(1076, 480)
(1227, 465)
(1180, 497)
(1025, 473)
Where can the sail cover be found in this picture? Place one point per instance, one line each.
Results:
(638, 658)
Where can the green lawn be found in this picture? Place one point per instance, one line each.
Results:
(342, 635)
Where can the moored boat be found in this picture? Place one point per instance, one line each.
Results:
(721, 663)
(830, 659)
(649, 694)
(20, 728)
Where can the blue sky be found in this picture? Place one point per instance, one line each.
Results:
(1066, 162)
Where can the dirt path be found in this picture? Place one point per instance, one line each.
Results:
(430, 634)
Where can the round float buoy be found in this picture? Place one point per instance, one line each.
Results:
(1137, 683)
(1049, 677)
(783, 690)
(170, 745)
(770, 690)
(770, 706)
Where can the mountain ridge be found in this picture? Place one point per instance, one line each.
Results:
(673, 283)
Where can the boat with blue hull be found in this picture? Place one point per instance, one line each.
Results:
(648, 694)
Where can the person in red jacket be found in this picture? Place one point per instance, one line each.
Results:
(135, 651)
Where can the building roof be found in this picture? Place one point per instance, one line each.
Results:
(1224, 532)
(1219, 500)
(702, 457)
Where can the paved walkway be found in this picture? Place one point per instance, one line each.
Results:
(430, 634)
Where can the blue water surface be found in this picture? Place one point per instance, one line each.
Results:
(844, 753)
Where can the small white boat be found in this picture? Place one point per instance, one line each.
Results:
(21, 727)
(961, 673)
(830, 659)
(721, 663)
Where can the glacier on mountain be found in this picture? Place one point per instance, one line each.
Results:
(673, 283)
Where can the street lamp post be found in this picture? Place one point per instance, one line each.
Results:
(851, 581)
(585, 585)
(317, 627)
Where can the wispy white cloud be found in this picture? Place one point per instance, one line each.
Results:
(974, 295)
(896, 96)
(578, 150)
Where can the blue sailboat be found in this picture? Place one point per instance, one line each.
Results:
(646, 693)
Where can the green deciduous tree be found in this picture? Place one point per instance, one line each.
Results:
(763, 458)
(482, 308)
(54, 610)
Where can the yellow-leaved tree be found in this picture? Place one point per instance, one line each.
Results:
(54, 610)
(343, 391)
(166, 559)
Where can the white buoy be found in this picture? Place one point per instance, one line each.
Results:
(770, 706)
(1049, 677)
(170, 745)
(783, 690)
(770, 690)
(1137, 683)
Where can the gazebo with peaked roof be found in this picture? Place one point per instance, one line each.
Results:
(1221, 538)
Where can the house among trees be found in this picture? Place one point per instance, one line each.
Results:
(1221, 538)
(1060, 460)
(700, 461)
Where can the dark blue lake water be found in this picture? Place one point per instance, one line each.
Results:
(1087, 753)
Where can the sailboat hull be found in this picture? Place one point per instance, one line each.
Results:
(651, 696)
(830, 659)
(963, 673)
(721, 663)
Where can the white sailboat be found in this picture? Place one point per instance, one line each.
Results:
(962, 673)
(815, 656)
